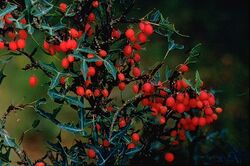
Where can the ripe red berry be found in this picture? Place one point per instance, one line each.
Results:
(23, 21)
(135, 137)
(65, 63)
(137, 57)
(80, 91)
(142, 37)
(103, 53)
(33, 80)
(137, 46)
(90, 56)
(91, 17)
(73, 33)
(8, 18)
(105, 143)
(21, 43)
(129, 33)
(163, 110)
(1, 45)
(95, 4)
(91, 153)
(148, 29)
(88, 93)
(180, 97)
(147, 87)
(91, 71)
(169, 157)
(218, 110)
(71, 44)
(46, 45)
(180, 107)
(127, 51)
(208, 111)
(136, 72)
(62, 80)
(11, 35)
(41, 163)
(183, 68)
(135, 88)
(99, 63)
(162, 120)
(195, 121)
(202, 121)
(105, 92)
(131, 146)
(63, 7)
(13, 46)
(170, 102)
(122, 123)
(121, 77)
(97, 93)
(142, 26)
(203, 95)
(122, 86)
(116, 34)
(63, 46)
(71, 58)
(22, 34)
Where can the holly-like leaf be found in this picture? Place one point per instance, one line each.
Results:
(86, 50)
(74, 101)
(111, 68)
(8, 9)
(84, 69)
(194, 54)
(198, 82)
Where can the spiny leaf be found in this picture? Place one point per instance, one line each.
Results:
(111, 68)
(8, 9)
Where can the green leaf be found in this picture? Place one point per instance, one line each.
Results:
(2, 76)
(171, 123)
(35, 123)
(172, 45)
(52, 29)
(110, 67)
(84, 69)
(86, 50)
(50, 67)
(8, 141)
(71, 128)
(74, 101)
(194, 54)
(198, 82)
(133, 151)
(168, 73)
(4, 157)
(41, 8)
(8, 9)
(57, 110)
(55, 95)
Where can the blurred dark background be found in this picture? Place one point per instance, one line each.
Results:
(222, 28)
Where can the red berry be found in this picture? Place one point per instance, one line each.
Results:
(208, 111)
(73, 33)
(122, 86)
(163, 110)
(71, 58)
(11, 35)
(183, 68)
(195, 121)
(7, 18)
(137, 57)
(88, 93)
(91, 17)
(137, 46)
(63, 46)
(95, 4)
(170, 102)
(122, 123)
(148, 29)
(13, 46)
(65, 63)
(173, 133)
(103, 53)
(46, 45)
(71, 44)
(199, 104)
(142, 26)
(33, 80)
(80, 91)
(127, 51)
(105, 143)
(105, 92)
(97, 93)
(23, 21)
(129, 33)
(162, 120)
(1, 45)
(136, 72)
(180, 97)
(135, 88)
(121, 77)
(202, 121)
(91, 71)
(147, 87)
(40, 163)
(131, 146)
(135, 137)
(203, 95)
(169, 157)
(142, 37)
(63, 7)
(99, 63)
(91, 153)
(21, 43)
(180, 107)
(116, 34)
(90, 56)
(22, 34)
(62, 80)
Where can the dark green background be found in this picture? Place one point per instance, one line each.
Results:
(222, 28)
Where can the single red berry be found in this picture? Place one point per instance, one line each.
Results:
(218, 110)
(105, 92)
(91, 71)
(62, 80)
(99, 63)
(116, 34)
(88, 93)
(169, 157)
(122, 86)
(162, 120)
(183, 68)
(199, 104)
(142, 26)
(21, 43)
(63, 7)
(71, 58)
(11, 35)
(127, 51)
(8, 18)
(203, 95)
(63, 46)
(192, 103)
(195, 121)
(122, 123)
(91, 153)
(95, 4)
(180, 107)
(173, 133)
(208, 111)
(41, 163)
(132, 39)
(1, 45)
(170, 102)
(135, 137)
(73, 33)
(148, 29)
(33, 80)
(65, 63)
(13, 46)
(91, 17)
(214, 116)
(135, 88)
(129, 33)
(142, 37)
(163, 110)
(90, 56)
(105, 143)
(22, 34)
(71, 44)
(147, 87)
(202, 121)
(136, 72)
(103, 53)
(131, 146)
(121, 77)
(97, 93)
(137, 57)
(46, 45)
(137, 46)
(80, 91)
(23, 21)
